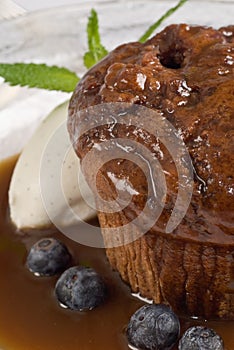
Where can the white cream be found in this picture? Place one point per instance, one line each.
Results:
(26, 204)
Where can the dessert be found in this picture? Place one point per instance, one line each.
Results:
(186, 73)
(27, 209)
(200, 338)
(153, 327)
(48, 257)
(30, 313)
(80, 288)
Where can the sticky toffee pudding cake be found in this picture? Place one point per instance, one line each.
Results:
(30, 311)
(186, 74)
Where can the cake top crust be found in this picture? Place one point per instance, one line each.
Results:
(186, 73)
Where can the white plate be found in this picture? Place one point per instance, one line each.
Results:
(58, 36)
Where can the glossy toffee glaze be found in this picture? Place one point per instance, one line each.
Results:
(30, 316)
(185, 74)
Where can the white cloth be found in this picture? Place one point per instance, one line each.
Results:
(30, 5)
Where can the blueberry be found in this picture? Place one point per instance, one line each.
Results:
(201, 338)
(153, 327)
(80, 288)
(47, 257)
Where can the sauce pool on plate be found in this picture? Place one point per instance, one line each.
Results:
(30, 316)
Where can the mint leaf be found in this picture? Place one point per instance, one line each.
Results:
(154, 26)
(96, 50)
(39, 76)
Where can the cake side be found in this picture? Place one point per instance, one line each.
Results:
(185, 74)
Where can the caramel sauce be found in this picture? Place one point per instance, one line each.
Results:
(30, 316)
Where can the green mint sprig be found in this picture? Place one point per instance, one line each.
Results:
(155, 25)
(96, 50)
(39, 75)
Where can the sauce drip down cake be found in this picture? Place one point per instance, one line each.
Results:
(185, 75)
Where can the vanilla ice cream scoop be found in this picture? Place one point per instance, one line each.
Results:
(32, 205)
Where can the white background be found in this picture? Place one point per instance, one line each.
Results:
(31, 5)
